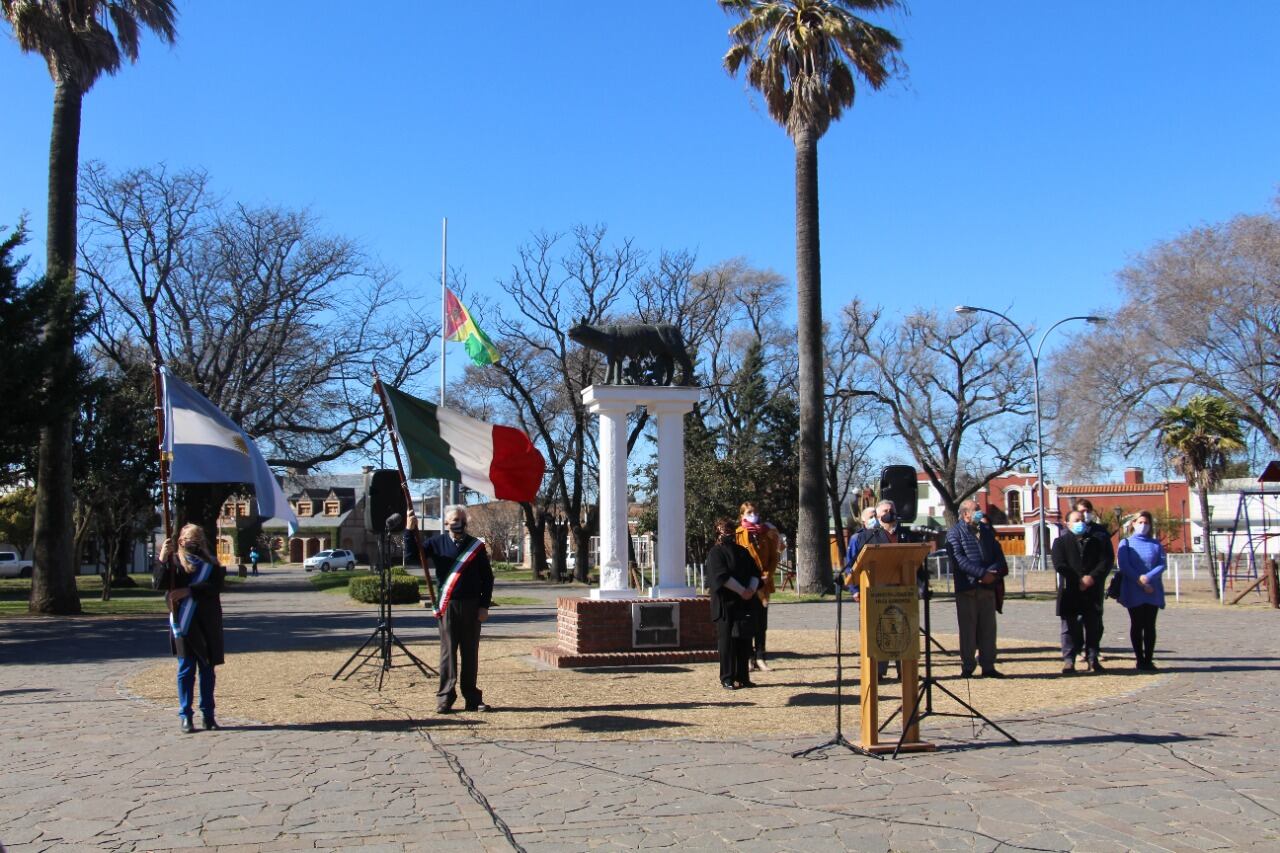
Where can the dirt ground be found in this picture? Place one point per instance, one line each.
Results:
(532, 702)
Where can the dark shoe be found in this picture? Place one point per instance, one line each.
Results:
(186, 726)
(444, 709)
(1094, 666)
(992, 673)
(966, 673)
(728, 685)
(210, 724)
(478, 707)
(1068, 667)
(746, 683)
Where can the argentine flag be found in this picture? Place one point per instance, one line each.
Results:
(204, 446)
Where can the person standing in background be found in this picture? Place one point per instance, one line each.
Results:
(1140, 561)
(763, 543)
(1082, 563)
(977, 565)
(734, 578)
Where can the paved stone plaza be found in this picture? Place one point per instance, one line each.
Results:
(1187, 763)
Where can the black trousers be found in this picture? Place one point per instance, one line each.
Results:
(459, 639)
(1142, 631)
(1081, 633)
(735, 653)
(762, 622)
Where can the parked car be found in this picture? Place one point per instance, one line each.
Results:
(13, 566)
(334, 558)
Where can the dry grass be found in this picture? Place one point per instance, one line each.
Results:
(673, 702)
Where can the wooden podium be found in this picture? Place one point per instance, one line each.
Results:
(889, 606)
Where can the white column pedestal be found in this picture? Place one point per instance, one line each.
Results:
(613, 410)
(670, 409)
(669, 405)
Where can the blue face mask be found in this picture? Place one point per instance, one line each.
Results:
(873, 523)
(1079, 527)
(979, 516)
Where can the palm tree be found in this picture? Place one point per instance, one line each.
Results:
(803, 56)
(1198, 438)
(80, 40)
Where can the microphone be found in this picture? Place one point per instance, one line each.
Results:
(395, 522)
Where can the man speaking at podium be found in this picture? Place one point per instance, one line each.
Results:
(883, 530)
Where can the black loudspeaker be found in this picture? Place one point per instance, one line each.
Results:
(898, 484)
(385, 499)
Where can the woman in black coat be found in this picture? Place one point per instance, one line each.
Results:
(193, 579)
(734, 577)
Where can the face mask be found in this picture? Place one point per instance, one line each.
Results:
(979, 516)
(888, 518)
(751, 518)
(873, 523)
(1141, 529)
(1078, 527)
(1090, 517)
(457, 526)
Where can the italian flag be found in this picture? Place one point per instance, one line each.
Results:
(497, 461)
(458, 326)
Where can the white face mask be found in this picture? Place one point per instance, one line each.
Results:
(1089, 517)
(1141, 529)
(751, 518)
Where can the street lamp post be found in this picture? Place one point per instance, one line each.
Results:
(1042, 533)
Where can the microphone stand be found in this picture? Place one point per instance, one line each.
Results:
(839, 739)
(928, 682)
(383, 634)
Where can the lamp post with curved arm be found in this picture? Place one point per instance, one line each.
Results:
(1042, 533)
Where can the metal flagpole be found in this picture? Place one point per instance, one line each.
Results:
(444, 324)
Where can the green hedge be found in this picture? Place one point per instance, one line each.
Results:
(506, 567)
(403, 589)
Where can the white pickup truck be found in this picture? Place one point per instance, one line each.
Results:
(12, 566)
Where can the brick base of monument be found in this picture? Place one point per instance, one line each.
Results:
(593, 632)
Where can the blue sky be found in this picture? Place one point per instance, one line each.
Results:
(1033, 148)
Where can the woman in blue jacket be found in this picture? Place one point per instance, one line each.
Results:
(1140, 561)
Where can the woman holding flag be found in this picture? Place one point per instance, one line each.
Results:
(194, 579)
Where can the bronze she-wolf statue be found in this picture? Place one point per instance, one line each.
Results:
(651, 352)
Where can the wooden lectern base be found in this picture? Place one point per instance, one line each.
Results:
(890, 748)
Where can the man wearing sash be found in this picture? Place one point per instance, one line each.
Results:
(465, 580)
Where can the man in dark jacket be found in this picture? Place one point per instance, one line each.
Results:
(465, 581)
(977, 565)
(1082, 562)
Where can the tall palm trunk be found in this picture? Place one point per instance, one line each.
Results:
(813, 552)
(53, 581)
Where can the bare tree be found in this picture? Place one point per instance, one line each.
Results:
(957, 392)
(556, 281)
(279, 324)
(1199, 313)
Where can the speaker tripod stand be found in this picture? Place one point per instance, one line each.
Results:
(928, 682)
(838, 740)
(381, 644)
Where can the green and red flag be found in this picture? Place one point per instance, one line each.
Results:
(497, 461)
(458, 326)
